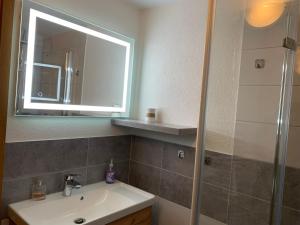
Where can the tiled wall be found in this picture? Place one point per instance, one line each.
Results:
(291, 199)
(256, 124)
(51, 160)
(291, 205)
(236, 191)
(155, 167)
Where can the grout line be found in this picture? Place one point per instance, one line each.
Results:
(88, 151)
(159, 184)
(65, 139)
(290, 208)
(162, 169)
(132, 142)
(129, 172)
(256, 122)
(44, 140)
(222, 154)
(30, 176)
(132, 139)
(163, 150)
(216, 186)
(93, 166)
(230, 184)
(259, 85)
(262, 48)
(87, 159)
(41, 174)
(106, 164)
(86, 175)
(250, 196)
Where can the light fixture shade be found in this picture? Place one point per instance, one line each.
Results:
(263, 13)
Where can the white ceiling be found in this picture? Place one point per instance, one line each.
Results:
(150, 3)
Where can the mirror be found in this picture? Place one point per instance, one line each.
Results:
(68, 67)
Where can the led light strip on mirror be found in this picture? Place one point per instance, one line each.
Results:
(28, 104)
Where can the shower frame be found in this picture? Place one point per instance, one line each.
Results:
(282, 123)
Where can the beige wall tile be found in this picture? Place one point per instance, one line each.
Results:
(255, 141)
(258, 103)
(297, 77)
(293, 154)
(295, 109)
(167, 211)
(269, 75)
(270, 36)
(297, 66)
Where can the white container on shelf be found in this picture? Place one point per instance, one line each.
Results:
(150, 115)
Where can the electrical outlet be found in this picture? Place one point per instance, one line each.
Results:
(180, 154)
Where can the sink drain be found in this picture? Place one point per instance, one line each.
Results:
(79, 221)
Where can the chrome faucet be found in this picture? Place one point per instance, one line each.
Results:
(70, 184)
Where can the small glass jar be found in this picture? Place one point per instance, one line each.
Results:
(38, 191)
(150, 115)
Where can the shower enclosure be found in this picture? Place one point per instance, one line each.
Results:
(248, 144)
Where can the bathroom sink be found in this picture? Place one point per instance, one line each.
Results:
(94, 204)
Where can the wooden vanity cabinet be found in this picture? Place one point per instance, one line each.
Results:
(143, 217)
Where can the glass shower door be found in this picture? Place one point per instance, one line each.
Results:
(246, 114)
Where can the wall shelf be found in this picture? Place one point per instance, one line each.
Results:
(155, 127)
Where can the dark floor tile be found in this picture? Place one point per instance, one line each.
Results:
(290, 217)
(147, 151)
(172, 163)
(102, 149)
(244, 210)
(144, 177)
(29, 158)
(176, 188)
(254, 178)
(214, 202)
(217, 169)
(292, 188)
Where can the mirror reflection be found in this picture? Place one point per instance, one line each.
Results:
(69, 65)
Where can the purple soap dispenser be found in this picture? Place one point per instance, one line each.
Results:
(110, 173)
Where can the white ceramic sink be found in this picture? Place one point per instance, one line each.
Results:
(98, 204)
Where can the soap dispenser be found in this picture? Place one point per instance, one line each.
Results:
(110, 173)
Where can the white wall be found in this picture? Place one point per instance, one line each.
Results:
(173, 40)
(114, 15)
(171, 70)
(259, 91)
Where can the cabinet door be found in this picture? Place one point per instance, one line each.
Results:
(142, 217)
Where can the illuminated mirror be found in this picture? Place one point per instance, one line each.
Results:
(70, 67)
